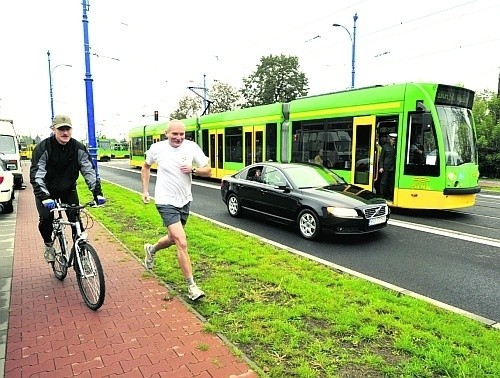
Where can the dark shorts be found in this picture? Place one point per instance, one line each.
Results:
(171, 214)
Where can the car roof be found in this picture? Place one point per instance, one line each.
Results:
(279, 165)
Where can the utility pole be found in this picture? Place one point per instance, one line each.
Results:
(203, 96)
(498, 90)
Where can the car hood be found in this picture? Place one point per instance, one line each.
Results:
(344, 193)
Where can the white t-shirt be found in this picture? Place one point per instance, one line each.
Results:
(172, 186)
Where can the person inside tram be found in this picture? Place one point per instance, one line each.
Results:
(387, 167)
(318, 159)
(380, 143)
(417, 155)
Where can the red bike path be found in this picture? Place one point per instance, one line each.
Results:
(137, 332)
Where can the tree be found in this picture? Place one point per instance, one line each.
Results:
(276, 79)
(223, 97)
(486, 111)
(188, 107)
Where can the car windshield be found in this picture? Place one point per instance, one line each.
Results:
(312, 177)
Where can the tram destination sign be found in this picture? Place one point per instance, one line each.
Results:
(454, 96)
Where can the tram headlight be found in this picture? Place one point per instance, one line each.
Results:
(452, 179)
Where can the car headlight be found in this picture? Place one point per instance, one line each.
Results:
(342, 212)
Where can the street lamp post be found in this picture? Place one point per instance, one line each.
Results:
(51, 73)
(352, 37)
(88, 88)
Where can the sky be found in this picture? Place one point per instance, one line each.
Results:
(145, 54)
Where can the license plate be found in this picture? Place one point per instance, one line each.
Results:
(375, 221)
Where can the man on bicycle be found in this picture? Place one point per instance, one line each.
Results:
(56, 164)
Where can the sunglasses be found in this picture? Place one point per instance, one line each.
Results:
(64, 128)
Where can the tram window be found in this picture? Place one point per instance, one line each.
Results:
(421, 153)
(149, 141)
(234, 146)
(137, 146)
(271, 141)
(333, 136)
(204, 142)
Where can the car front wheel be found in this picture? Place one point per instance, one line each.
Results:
(308, 224)
(233, 205)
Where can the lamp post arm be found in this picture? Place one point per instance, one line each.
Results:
(61, 65)
(343, 27)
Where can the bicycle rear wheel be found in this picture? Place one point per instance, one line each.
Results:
(60, 264)
(91, 277)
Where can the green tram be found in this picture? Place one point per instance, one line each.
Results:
(142, 137)
(345, 127)
(108, 149)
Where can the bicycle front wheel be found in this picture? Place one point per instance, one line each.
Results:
(90, 277)
(60, 264)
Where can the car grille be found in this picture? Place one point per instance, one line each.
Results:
(375, 211)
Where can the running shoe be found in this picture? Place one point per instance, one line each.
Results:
(149, 259)
(195, 292)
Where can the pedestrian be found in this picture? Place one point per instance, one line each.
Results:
(178, 160)
(56, 163)
(387, 167)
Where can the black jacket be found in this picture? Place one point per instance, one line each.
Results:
(388, 157)
(55, 168)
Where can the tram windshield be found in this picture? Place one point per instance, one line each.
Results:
(458, 134)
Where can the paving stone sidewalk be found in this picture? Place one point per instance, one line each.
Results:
(136, 333)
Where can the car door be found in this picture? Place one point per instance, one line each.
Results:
(250, 189)
(277, 198)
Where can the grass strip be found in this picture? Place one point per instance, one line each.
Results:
(297, 318)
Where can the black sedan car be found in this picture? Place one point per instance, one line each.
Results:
(307, 196)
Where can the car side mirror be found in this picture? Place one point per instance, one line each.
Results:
(284, 188)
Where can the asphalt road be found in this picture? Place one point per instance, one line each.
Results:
(449, 256)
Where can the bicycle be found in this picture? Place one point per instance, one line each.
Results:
(82, 256)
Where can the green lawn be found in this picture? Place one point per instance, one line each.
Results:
(297, 318)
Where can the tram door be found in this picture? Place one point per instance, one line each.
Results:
(254, 144)
(363, 152)
(216, 152)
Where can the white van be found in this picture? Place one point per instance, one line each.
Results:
(10, 151)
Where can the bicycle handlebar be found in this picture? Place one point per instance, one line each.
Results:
(64, 206)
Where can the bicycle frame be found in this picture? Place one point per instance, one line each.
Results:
(81, 236)
(82, 256)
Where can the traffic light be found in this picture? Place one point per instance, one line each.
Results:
(156, 115)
